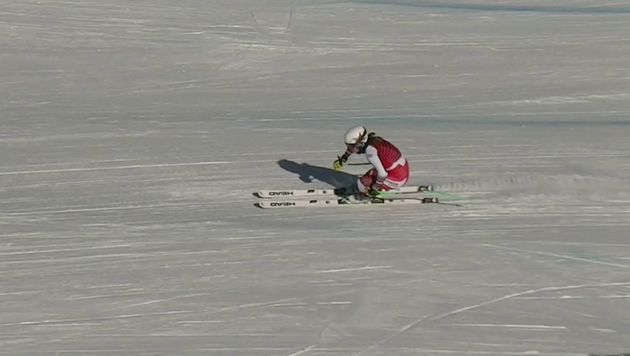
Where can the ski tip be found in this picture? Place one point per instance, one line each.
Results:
(277, 204)
(274, 204)
(262, 194)
(274, 193)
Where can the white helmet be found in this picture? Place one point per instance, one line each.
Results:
(357, 135)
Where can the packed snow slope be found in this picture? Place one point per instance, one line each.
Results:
(133, 134)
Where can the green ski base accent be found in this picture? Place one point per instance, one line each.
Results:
(384, 194)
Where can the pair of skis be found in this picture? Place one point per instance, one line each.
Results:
(283, 199)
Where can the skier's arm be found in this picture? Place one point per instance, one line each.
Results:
(372, 156)
(346, 155)
(342, 159)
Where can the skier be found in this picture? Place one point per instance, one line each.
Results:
(391, 169)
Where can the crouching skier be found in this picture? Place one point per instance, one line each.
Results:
(390, 168)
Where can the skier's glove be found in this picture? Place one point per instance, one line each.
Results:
(338, 164)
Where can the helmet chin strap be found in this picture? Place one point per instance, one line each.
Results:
(359, 146)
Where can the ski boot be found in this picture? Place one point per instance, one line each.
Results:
(346, 192)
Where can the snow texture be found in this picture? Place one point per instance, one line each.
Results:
(133, 134)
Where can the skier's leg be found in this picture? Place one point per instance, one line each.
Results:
(397, 177)
(366, 181)
(356, 187)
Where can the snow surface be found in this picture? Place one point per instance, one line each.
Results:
(133, 134)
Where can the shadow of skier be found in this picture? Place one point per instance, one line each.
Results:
(308, 173)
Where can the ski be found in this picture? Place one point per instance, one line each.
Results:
(288, 204)
(338, 192)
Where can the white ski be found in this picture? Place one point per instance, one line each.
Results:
(299, 193)
(318, 203)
